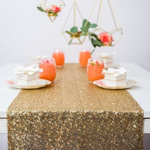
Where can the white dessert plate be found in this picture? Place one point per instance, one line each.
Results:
(41, 83)
(102, 84)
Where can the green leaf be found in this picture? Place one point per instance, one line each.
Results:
(92, 51)
(89, 35)
(93, 25)
(74, 30)
(84, 29)
(70, 42)
(85, 25)
(70, 33)
(40, 9)
(94, 35)
(84, 33)
(96, 43)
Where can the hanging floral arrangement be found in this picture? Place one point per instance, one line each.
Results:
(51, 8)
(76, 33)
(102, 39)
(51, 12)
(72, 26)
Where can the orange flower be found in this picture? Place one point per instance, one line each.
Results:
(55, 9)
(105, 38)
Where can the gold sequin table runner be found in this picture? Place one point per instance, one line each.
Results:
(72, 114)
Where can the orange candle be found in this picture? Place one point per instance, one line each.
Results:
(83, 57)
(49, 69)
(94, 69)
(59, 58)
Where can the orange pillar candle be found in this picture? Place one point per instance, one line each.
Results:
(49, 69)
(83, 57)
(59, 58)
(95, 69)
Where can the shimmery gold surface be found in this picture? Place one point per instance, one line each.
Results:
(72, 113)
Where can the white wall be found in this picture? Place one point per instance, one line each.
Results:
(24, 31)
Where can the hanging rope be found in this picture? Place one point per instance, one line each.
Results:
(91, 12)
(100, 13)
(68, 15)
(74, 13)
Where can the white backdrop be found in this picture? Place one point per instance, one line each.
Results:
(24, 31)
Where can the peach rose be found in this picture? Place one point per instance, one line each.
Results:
(55, 9)
(105, 38)
(48, 10)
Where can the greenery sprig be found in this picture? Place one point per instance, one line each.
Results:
(41, 9)
(85, 31)
(50, 12)
(74, 33)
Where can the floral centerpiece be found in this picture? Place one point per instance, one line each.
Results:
(52, 12)
(102, 39)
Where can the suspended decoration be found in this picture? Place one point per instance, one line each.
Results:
(51, 8)
(99, 36)
(72, 32)
(114, 33)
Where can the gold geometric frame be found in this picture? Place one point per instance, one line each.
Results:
(118, 27)
(44, 4)
(75, 8)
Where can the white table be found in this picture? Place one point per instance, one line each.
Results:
(141, 92)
